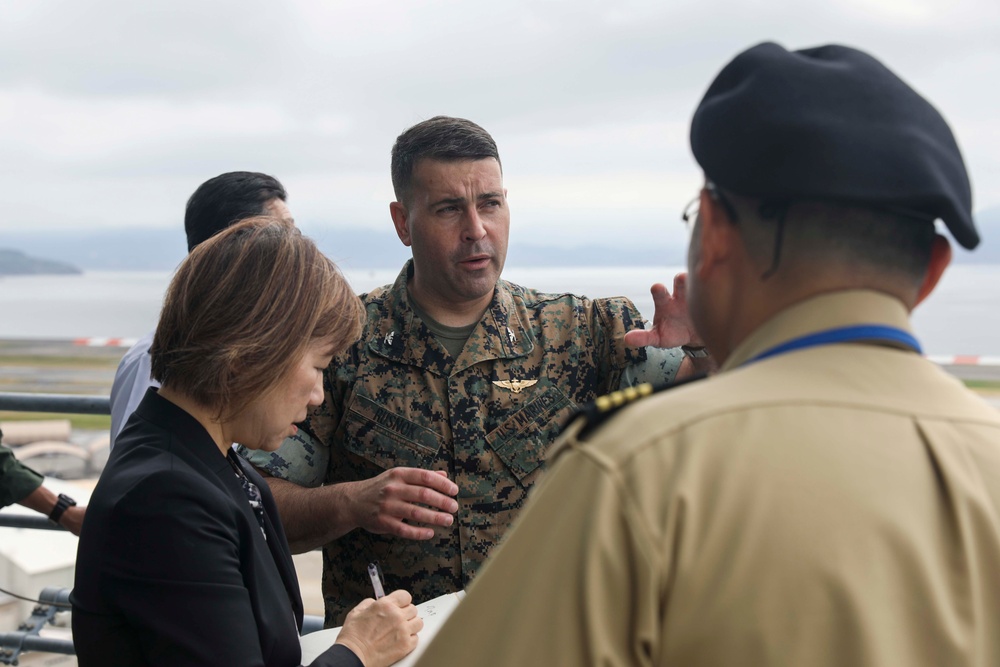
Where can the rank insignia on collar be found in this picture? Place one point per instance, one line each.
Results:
(511, 337)
(515, 386)
(388, 338)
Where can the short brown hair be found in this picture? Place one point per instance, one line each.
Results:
(242, 309)
(439, 138)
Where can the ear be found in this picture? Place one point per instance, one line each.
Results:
(400, 216)
(940, 258)
(716, 235)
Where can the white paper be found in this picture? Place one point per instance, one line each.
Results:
(434, 612)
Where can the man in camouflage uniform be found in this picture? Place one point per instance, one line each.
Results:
(436, 423)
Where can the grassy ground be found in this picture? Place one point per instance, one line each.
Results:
(42, 361)
(59, 367)
(990, 387)
(82, 422)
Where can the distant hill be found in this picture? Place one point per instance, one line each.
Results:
(163, 250)
(106, 250)
(16, 263)
(362, 248)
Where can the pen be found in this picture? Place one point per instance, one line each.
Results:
(376, 580)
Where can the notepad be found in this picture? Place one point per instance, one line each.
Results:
(434, 612)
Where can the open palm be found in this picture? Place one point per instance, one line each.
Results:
(671, 322)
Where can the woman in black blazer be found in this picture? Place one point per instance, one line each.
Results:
(182, 559)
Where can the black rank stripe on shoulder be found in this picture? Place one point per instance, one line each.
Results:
(604, 407)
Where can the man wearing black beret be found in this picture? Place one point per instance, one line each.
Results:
(830, 497)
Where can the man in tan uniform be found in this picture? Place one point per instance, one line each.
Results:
(830, 497)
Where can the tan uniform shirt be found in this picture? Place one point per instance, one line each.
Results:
(837, 505)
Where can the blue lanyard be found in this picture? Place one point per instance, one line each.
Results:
(862, 332)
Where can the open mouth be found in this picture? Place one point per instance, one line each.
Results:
(476, 262)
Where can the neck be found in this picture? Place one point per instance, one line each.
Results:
(755, 302)
(450, 313)
(203, 414)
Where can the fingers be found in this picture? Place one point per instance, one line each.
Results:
(432, 479)
(406, 531)
(392, 520)
(405, 490)
(394, 501)
(400, 597)
(363, 605)
(662, 303)
(639, 338)
(411, 621)
(680, 285)
(659, 292)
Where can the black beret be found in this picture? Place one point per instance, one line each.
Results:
(830, 123)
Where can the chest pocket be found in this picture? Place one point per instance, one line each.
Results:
(387, 439)
(523, 438)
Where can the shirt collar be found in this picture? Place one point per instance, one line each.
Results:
(819, 313)
(401, 336)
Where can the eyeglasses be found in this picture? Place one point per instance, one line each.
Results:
(690, 213)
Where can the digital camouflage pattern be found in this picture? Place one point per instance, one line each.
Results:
(397, 398)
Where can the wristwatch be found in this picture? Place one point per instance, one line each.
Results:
(693, 352)
(63, 503)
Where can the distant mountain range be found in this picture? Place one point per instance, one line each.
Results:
(16, 263)
(163, 249)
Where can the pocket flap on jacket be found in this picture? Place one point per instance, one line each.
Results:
(387, 439)
(522, 439)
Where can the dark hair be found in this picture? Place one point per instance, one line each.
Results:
(242, 309)
(439, 138)
(818, 231)
(225, 199)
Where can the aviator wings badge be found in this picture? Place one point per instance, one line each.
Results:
(515, 385)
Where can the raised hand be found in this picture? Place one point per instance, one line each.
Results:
(671, 322)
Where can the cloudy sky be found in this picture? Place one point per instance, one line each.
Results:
(112, 112)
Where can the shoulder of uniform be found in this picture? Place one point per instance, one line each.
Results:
(531, 298)
(513, 288)
(617, 306)
(377, 295)
(534, 299)
(592, 416)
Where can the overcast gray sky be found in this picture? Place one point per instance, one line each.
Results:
(112, 112)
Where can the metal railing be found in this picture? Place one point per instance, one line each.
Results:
(50, 602)
(59, 403)
(26, 638)
(69, 403)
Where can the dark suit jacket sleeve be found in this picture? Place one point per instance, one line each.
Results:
(175, 566)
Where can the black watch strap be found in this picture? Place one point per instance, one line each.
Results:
(63, 503)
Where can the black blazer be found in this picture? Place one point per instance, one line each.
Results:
(172, 567)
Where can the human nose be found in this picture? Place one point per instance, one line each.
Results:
(475, 227)
(316, 394)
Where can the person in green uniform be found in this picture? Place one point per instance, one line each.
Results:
(21, 485)
(830, 497)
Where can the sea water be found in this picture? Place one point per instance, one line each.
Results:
(961, 317)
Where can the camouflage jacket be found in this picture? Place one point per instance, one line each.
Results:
(397, 398)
